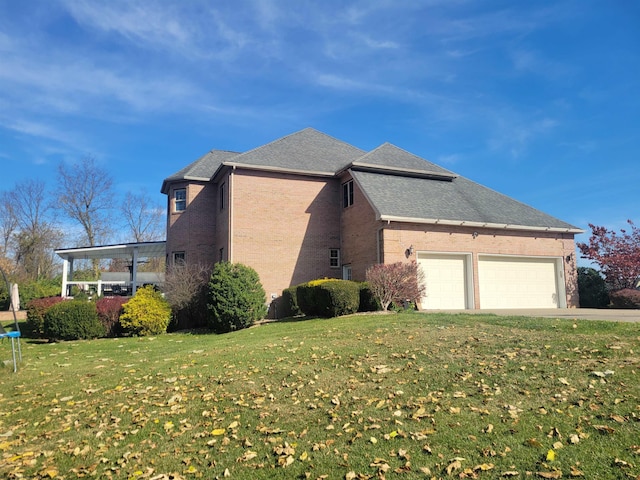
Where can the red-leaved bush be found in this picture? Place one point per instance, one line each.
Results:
(109, 311)
(396, 283)
(625, 298)
(36, 309)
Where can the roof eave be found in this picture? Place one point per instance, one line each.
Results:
(410, 172)
(266, 168)
(464, 223)
(187, 178)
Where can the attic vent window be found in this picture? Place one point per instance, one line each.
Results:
(180, 200)
(347, 194)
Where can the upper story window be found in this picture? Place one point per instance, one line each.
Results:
(347, 194)
(180, 200)
(179, 258)
(334, 257)
(222, 196)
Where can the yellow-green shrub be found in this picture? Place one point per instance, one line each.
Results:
(147, 313)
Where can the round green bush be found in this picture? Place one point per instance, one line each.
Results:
(72, 320)
(236, 297)
(147, 313)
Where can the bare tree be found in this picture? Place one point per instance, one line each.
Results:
(85, 194)
(185, 288)
(8, 222)
(143, 218)
(35, 237)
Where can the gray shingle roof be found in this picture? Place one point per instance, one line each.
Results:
(388, 155)
(449, 201)
(202, 169)
(305, 151)
(399, 185)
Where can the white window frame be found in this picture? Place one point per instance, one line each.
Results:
(346, 272)
(179, 203)
(334, 258)
(347, 194)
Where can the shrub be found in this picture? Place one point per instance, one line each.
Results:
(396, 283)
(147, 313)
(72, 320)
(289, 303)
(328, 298)
(592, 288)
(36, 309)
(186, 289)
(368, 302)
(338, 297)
(109, 311)
(236, 297)
(625, 298)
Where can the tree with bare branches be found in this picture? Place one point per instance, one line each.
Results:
(85, 195)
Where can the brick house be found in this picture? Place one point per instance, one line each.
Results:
(309, 206)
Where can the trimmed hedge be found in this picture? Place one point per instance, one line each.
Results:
(368, 301)
(328, 298)
(147, 313)
(36, 310)
(289, 303)
(72, 320)
(625, 298)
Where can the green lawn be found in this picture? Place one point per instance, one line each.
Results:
(376, 396)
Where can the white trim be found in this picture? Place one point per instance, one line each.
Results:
(463, 223)
(267, 168)
(469, 294)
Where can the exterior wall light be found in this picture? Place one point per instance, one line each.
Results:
(409, 251)
(474, 234)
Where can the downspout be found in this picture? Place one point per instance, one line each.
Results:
(230, 230)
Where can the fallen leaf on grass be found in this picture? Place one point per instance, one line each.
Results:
(604, 429)
(553, 474)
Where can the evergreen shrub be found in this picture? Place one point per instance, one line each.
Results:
(72, 320)
(368, 301)
(592, 288)
(289, 303)
(147, 313)
(36, 309)
(329, 297)
(236, 297)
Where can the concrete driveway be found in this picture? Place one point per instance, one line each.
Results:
(568, 313)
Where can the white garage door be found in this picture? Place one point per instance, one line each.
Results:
(445, 279)
(517, 282)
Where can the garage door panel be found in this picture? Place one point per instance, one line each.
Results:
(517, 282)
(445, 281)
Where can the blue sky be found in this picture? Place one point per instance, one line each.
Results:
(537, 100)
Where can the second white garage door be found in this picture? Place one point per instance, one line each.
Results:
(445, 278)
(518, 282)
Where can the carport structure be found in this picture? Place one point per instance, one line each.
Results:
(132, 252)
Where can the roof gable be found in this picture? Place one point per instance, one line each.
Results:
(308, 151)
(389, 158)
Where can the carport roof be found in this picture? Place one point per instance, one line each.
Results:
(122, 250)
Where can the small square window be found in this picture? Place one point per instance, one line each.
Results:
(179, 258)
(334, 257)
(347, 194)
(180, 200)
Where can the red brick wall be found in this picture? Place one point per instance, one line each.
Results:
(435, 238)
(284, 225)
(193, 230)
(359, 234)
